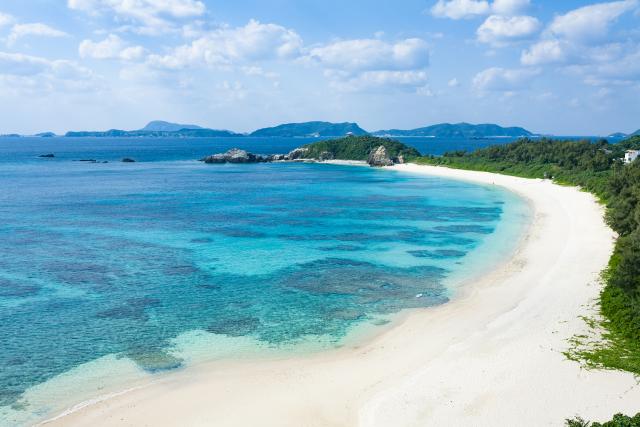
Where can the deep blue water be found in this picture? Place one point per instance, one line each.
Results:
(124, 258)
(155, 149)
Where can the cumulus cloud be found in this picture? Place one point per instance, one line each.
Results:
(372, 54)
(581, 42)
(25, 72)
(35, 29)
(590, 22)
(509, 7)
(465, 9)
(5, 19)
(460, 9)
(19, 64)
(545, 52)
(625, 70)
(372, 64)
(229, 46)
(499, 30)
(152, 14)
(387, 79)
(497, 79)
(113, 47)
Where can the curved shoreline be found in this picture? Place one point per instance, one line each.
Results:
(492, 356)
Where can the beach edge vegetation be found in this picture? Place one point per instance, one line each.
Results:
(599, 168)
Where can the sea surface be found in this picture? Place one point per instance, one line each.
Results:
(114, 272)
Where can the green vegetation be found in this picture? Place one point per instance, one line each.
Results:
(310, 129)
(458, 130)
(595, 167)
(358, 148)
(618, 420)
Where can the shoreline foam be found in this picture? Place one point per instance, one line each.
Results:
(490, 357)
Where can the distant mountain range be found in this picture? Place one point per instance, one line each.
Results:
(162, 126)
(311, 129)
(159, 128)
(624, 135)
(617, 135)
(458, 130)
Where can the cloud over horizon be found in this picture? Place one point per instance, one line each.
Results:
(250, 63)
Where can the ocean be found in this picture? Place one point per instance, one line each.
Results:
(113, 272)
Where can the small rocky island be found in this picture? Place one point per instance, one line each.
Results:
(377, 152)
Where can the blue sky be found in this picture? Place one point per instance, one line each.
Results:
(565, 67)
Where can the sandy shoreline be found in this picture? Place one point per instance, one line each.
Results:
(490, 357)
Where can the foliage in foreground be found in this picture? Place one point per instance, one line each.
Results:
(619, 420)
(595, 167)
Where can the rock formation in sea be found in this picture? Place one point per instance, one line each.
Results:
(377, 152)
(379, 157)
(128, 160)
(235, 155)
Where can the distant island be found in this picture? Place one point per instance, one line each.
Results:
(162, 126)
(157, 128)
(458, 130)
(311, 129)
(618, 135)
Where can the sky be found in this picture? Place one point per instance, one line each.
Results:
(560, 67)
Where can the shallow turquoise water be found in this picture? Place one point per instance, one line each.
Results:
(129, 259)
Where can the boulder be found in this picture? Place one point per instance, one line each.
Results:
(235, 155)
(128, 160)
(379, 157)
(298, 153)
(47, 156)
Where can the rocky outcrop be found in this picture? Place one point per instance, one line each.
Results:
(235, 155)
(379, 157)
(47, 156)
(278, 157)
(128, 160)
(298, 153)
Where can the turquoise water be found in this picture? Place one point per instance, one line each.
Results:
(151, 266)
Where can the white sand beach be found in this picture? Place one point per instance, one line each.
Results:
(490, 357)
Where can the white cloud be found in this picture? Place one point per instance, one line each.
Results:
(464, 9)
(590, 22)
(20, 73)
(152, 14)
(5, 19)
(580, 41)
(460, 9)
(259, 71)
(545, 52)
(372, 54)
(372, 80)
(374, 64)
(36, 29)
(230, 46)
(625, 70)
(503, 79)
(19, 64)
(113, 47)
(509, 7)
(499, 30)
(453, 82)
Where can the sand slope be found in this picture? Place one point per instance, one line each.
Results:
(491, 357)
